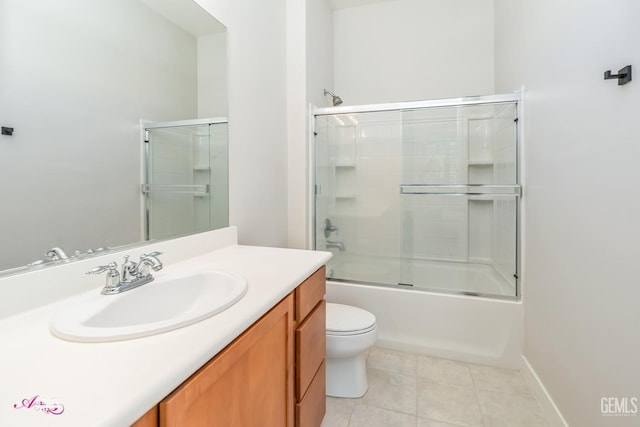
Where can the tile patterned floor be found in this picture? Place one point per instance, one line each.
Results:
(410, 390)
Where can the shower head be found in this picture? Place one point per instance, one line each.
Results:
(336, 99)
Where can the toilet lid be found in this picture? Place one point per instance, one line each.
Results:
(346, 318)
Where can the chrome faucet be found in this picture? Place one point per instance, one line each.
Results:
(149, 261)
(133, 274)
(56, 254)
(338, 245)
(329, 228)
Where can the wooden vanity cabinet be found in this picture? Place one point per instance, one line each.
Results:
(270, 376)
(150, 419)
(311, 350)
(249, 383)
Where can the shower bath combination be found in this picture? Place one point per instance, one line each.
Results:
(425, 194)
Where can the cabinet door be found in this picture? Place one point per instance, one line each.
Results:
(150, 419)
(250, 383)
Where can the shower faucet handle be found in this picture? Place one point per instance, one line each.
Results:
(329, 228)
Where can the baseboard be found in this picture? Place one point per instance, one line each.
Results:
(547, 405)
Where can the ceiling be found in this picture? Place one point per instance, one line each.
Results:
(187, 15)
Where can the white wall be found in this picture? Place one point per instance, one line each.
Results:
(414, 49)
(582, 269)
(212, 75)
(320, 51)
(257, 75)
(75, 93)
(310, 70)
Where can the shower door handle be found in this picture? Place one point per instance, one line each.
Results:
(488, 190)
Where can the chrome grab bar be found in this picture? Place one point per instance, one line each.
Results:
(198, 190)
(462, 190)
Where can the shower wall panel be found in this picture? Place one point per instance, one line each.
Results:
(434, 151)
(171, 162)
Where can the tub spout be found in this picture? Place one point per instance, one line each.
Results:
(338, 245)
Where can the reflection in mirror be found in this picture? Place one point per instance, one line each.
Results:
(78, 82)
(186, 177)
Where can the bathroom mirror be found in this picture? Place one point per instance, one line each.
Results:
(78, 82)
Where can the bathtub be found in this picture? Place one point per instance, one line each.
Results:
(443, 276)
(467, 328)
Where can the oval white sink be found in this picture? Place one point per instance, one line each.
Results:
(167, 303)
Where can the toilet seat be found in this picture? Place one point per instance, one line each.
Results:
(347, 320)
(350, 333)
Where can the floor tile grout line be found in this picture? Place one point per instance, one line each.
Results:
(504, 393)
(416, 377)
(417, 397)
(475, 393)
(353, 407)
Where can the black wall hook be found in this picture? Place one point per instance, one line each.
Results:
(7, 130)
(623, 76)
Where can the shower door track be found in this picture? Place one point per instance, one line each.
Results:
(415, 105)
(411, 288)
(178, 123)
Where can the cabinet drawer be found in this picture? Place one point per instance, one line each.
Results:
(310, 348)
(309, 293)
(310, 412)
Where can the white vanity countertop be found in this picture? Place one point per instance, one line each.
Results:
(113, 384)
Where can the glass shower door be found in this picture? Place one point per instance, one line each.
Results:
(422, 198)
(459, 199)
(179, 173)
(357, 174)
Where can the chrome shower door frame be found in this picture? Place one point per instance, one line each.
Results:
(498, 191)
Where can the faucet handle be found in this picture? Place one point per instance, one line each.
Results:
(128, 264)
(329, 228)
(56, 254)
(113, 277)
(154, 253)
(112, 266)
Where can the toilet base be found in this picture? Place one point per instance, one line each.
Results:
(347, 376)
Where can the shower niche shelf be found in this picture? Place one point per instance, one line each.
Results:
(345, 165)
(480, 173)
(345, 182)
(481, 199)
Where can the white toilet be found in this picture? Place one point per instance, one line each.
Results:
(351, 331)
